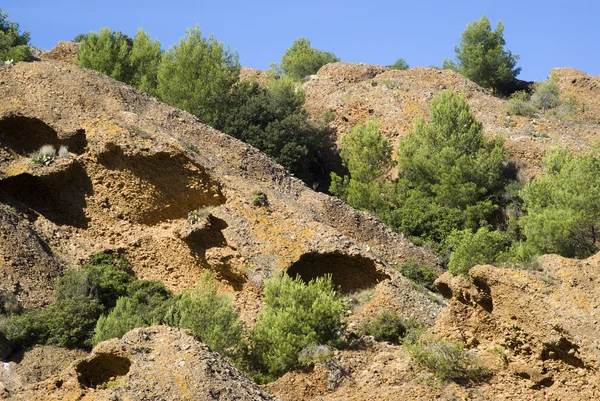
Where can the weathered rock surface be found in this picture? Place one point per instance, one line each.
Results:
(136, 169)
(545, 324)
(154, 363)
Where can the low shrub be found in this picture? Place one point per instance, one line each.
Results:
(519, 104)
(419, 273)
(387, 326)
(295, 315)
(211, 316)
(146, 303)
(448, 360)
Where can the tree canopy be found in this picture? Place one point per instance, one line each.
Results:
(197, 76)
(13, 44)
(448, 172)
(482, 58)
(563, 205)
(302, 60)
(367, 155)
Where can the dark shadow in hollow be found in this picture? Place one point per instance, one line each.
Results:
(59, 196)
(25, 135)
(351, 273)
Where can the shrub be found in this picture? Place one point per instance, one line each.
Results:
(448, 174)
(301, 60)
(108, 53)
(419, 273)
(259, 199)
(386, 326)
(519, 104)
(295, 315)
(367, 155)
(563, 205)
(211, 316)
(146, 303)
(400, 64)
(66, 323)
(103, 278)
(546, 94)
(482, 58)
(448, 360)
(13, 44)
(470, 249)
(133, 61)
(272, 119)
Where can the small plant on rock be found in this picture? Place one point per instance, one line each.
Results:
(259, 199)
(45, 156)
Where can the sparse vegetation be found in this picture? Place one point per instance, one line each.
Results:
(400, 64)
(259, 199)
(211, 316)
(386, 326)
(419, 273)
(448, 360)
(45, 156)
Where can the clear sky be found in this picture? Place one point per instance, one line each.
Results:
(546, 34)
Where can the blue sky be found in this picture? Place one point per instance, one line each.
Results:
(546, 34)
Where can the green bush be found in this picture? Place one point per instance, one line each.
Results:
(211, 316)
(66, 323)
(81, 296)
(367, 155)
(104, 278)
(419, 273)
(295, 315)
(13, 45)
(470, 249)
(519, 104)
(133, 61)
(448, 174)
(146, 303)
(386, 326)
(563, 205)
(301, 60)
(400, 64)
(272, 119)
(448, 360)
(546, 95)
(481, 56)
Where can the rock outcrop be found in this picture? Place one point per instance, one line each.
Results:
(154, 363)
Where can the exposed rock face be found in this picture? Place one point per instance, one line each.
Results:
(356, 93)
(63, 51)
(154, 363)
(546, 324)
(136, 169)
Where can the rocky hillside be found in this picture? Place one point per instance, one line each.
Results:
(177, 198)
(355, 93)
